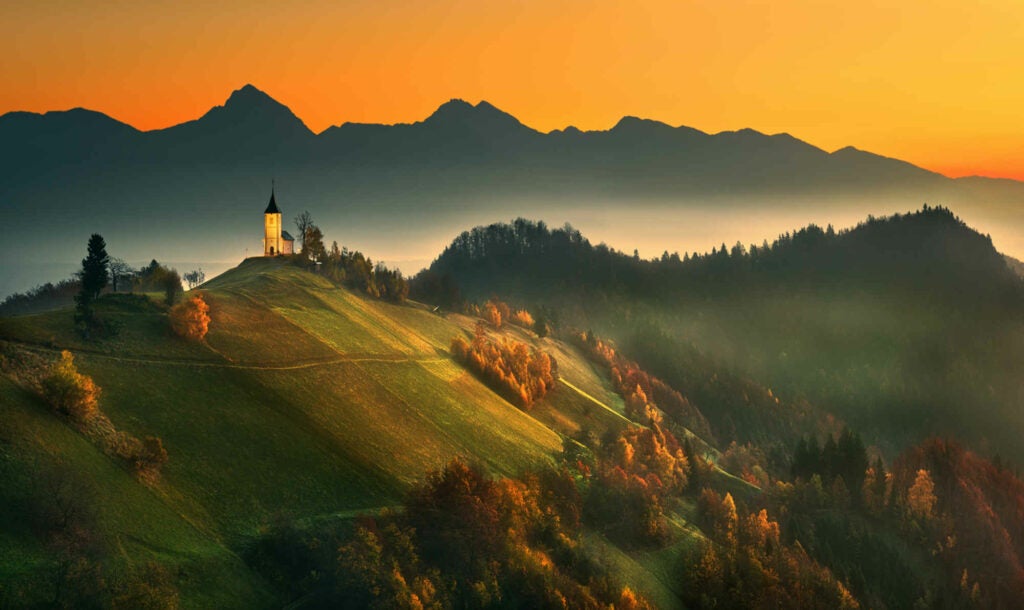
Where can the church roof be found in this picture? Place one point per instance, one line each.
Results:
(285, 235)
(272, 206)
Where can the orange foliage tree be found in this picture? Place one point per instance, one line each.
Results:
(492, 313)
(523, 318)
(522, 374)
(190, 319)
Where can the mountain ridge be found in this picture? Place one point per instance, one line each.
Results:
(187, 192)
(456, 110)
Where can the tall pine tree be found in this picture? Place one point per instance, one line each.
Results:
(95, 274)
(95, 267)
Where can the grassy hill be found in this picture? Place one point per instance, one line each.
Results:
(305, 400)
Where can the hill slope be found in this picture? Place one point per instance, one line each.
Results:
(305, 400)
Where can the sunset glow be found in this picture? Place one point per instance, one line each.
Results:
(935, 83)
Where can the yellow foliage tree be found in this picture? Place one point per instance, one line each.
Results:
(523, 318)
(921, 495)
(190, 319)
(70, 392)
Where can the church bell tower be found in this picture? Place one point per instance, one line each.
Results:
(272, 242)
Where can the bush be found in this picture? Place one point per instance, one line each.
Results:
(146, 457)
(70, 392)
(151, 456)
(190, 319)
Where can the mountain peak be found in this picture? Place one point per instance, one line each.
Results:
(249, 110)
(249, 96)
(632, 123)
(482, 117)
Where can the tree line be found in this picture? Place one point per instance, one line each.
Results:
(347, 267)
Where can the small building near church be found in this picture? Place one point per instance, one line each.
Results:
(276, 240)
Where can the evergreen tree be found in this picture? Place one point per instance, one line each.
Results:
(852, 459)
(829, 458)
(95, 267)
(94, 275)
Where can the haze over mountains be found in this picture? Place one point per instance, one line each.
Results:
(195, 191)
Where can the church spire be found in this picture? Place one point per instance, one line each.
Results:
(272, 206)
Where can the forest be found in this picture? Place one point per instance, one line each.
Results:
(894, 324)
(860, 379)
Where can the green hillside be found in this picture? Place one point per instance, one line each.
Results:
(306, 401)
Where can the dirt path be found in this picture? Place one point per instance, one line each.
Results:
(284, 366)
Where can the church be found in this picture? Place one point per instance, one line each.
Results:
(276, 240)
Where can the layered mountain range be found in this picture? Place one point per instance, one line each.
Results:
(194, 191)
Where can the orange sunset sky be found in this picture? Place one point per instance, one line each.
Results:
(938, 83)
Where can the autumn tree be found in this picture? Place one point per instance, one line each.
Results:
(70, 392)
(522, 374)
(492, 314)
(718, 514)
(523, 319)
(921, 496)
(190, 319)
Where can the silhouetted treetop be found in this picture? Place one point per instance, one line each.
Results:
(930, 250)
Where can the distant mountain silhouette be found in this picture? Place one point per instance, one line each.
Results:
(190, 186)
(249, 121)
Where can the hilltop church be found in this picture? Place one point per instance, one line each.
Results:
(276, 240)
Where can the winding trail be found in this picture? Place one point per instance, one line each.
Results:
(287, 366)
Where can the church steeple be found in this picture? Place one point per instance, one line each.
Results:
(276, 240)
(272, 206)
(273, 242)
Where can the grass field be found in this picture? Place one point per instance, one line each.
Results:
(305, 399)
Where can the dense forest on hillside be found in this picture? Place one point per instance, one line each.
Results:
(904, 326)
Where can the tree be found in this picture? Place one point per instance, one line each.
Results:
(151, 456)
(921, 495)
(540, 326)
(195, 277)
(718, 514)
(492, 314)
(171, 284)
(523, 318)
(70, 392)
(303, 222)
(119, 269)
(95, 267)
(313, 244)
(190, 319)
(94, 276)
